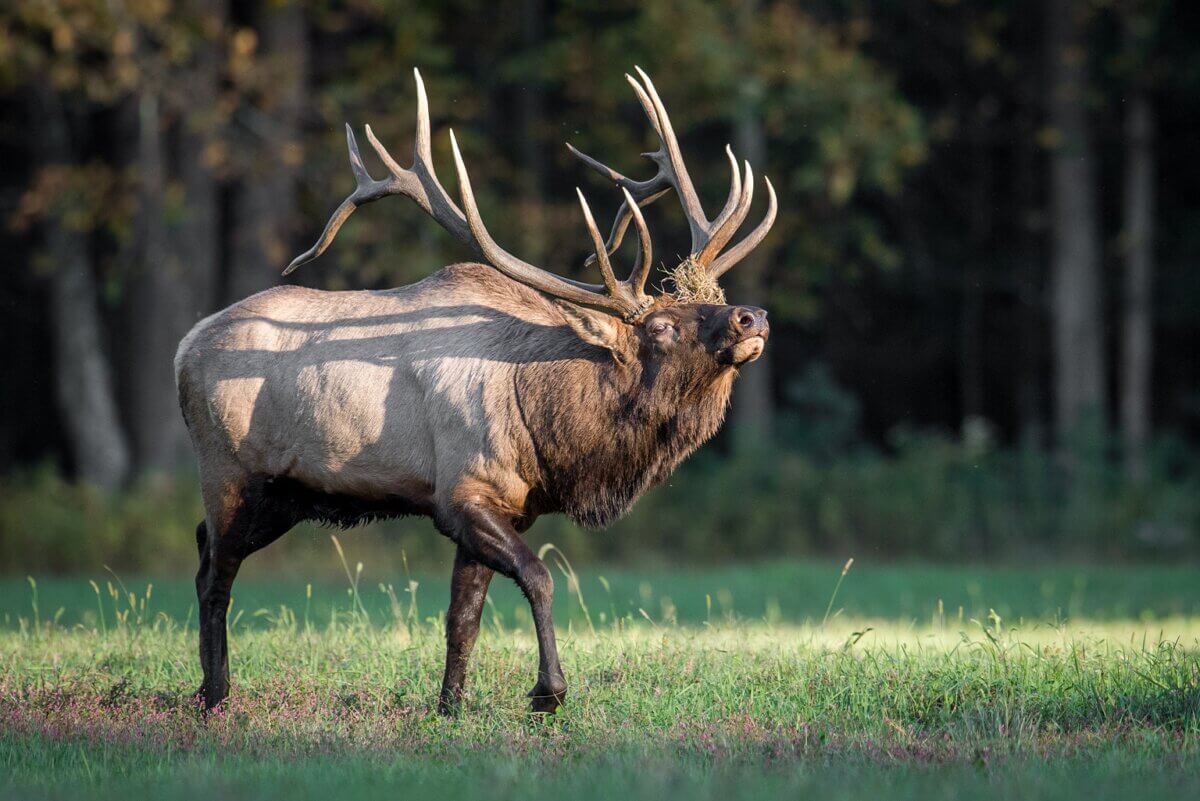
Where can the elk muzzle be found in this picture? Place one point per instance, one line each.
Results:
(749, 330)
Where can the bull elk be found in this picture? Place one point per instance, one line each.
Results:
(481, 397)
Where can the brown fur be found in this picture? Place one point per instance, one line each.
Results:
(606, 430)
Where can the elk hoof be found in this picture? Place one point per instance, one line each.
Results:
(449, 704)
(547, 696)
(207, 700)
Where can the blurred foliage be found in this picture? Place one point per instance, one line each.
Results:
(61, 525)
(835, 124)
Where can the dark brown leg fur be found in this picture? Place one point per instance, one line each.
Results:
(490, 538)
(468, 591)
(255, 520)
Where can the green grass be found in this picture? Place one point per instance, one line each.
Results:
(1071, 691)
(789, 590)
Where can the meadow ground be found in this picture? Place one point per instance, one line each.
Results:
(913, 682)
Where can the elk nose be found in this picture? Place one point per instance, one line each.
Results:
(751, 321)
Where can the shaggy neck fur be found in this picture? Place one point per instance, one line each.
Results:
(604, 432)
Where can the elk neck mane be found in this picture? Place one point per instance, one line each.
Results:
(604, 432)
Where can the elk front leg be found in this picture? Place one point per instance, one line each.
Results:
(468, 591)
(489, 537)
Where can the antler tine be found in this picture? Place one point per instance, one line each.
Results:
(641, 269)
(735, 191)
(739, 251)
(440, 203)
(640, 189)
(725, 230)
(423, 144)
(647, 103)
(670, 157)
(384, 156)
(631, 291)
(610, 280)
(621, 223)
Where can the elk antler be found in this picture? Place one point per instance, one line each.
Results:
(419, 183)
(708, 236)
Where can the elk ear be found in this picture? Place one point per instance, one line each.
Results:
(594, 328)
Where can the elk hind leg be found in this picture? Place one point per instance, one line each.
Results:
(245, 518)
(468, 591)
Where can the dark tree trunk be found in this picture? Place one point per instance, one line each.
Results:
(531, 111)
(265, 201)
(754, 401)
(1029, 275)
(197, 242)
(174, 281)
(970, 346)
(1137, 334)
(1079, 374)
(159, 310)
(83, 382)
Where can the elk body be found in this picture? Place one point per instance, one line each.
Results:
(481, 397)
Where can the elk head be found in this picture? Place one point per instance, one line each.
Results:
(689, 331)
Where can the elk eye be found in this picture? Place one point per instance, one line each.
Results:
(658, 327)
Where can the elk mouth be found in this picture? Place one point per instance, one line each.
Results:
(743, 352)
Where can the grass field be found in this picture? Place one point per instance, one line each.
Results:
(733, 682)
